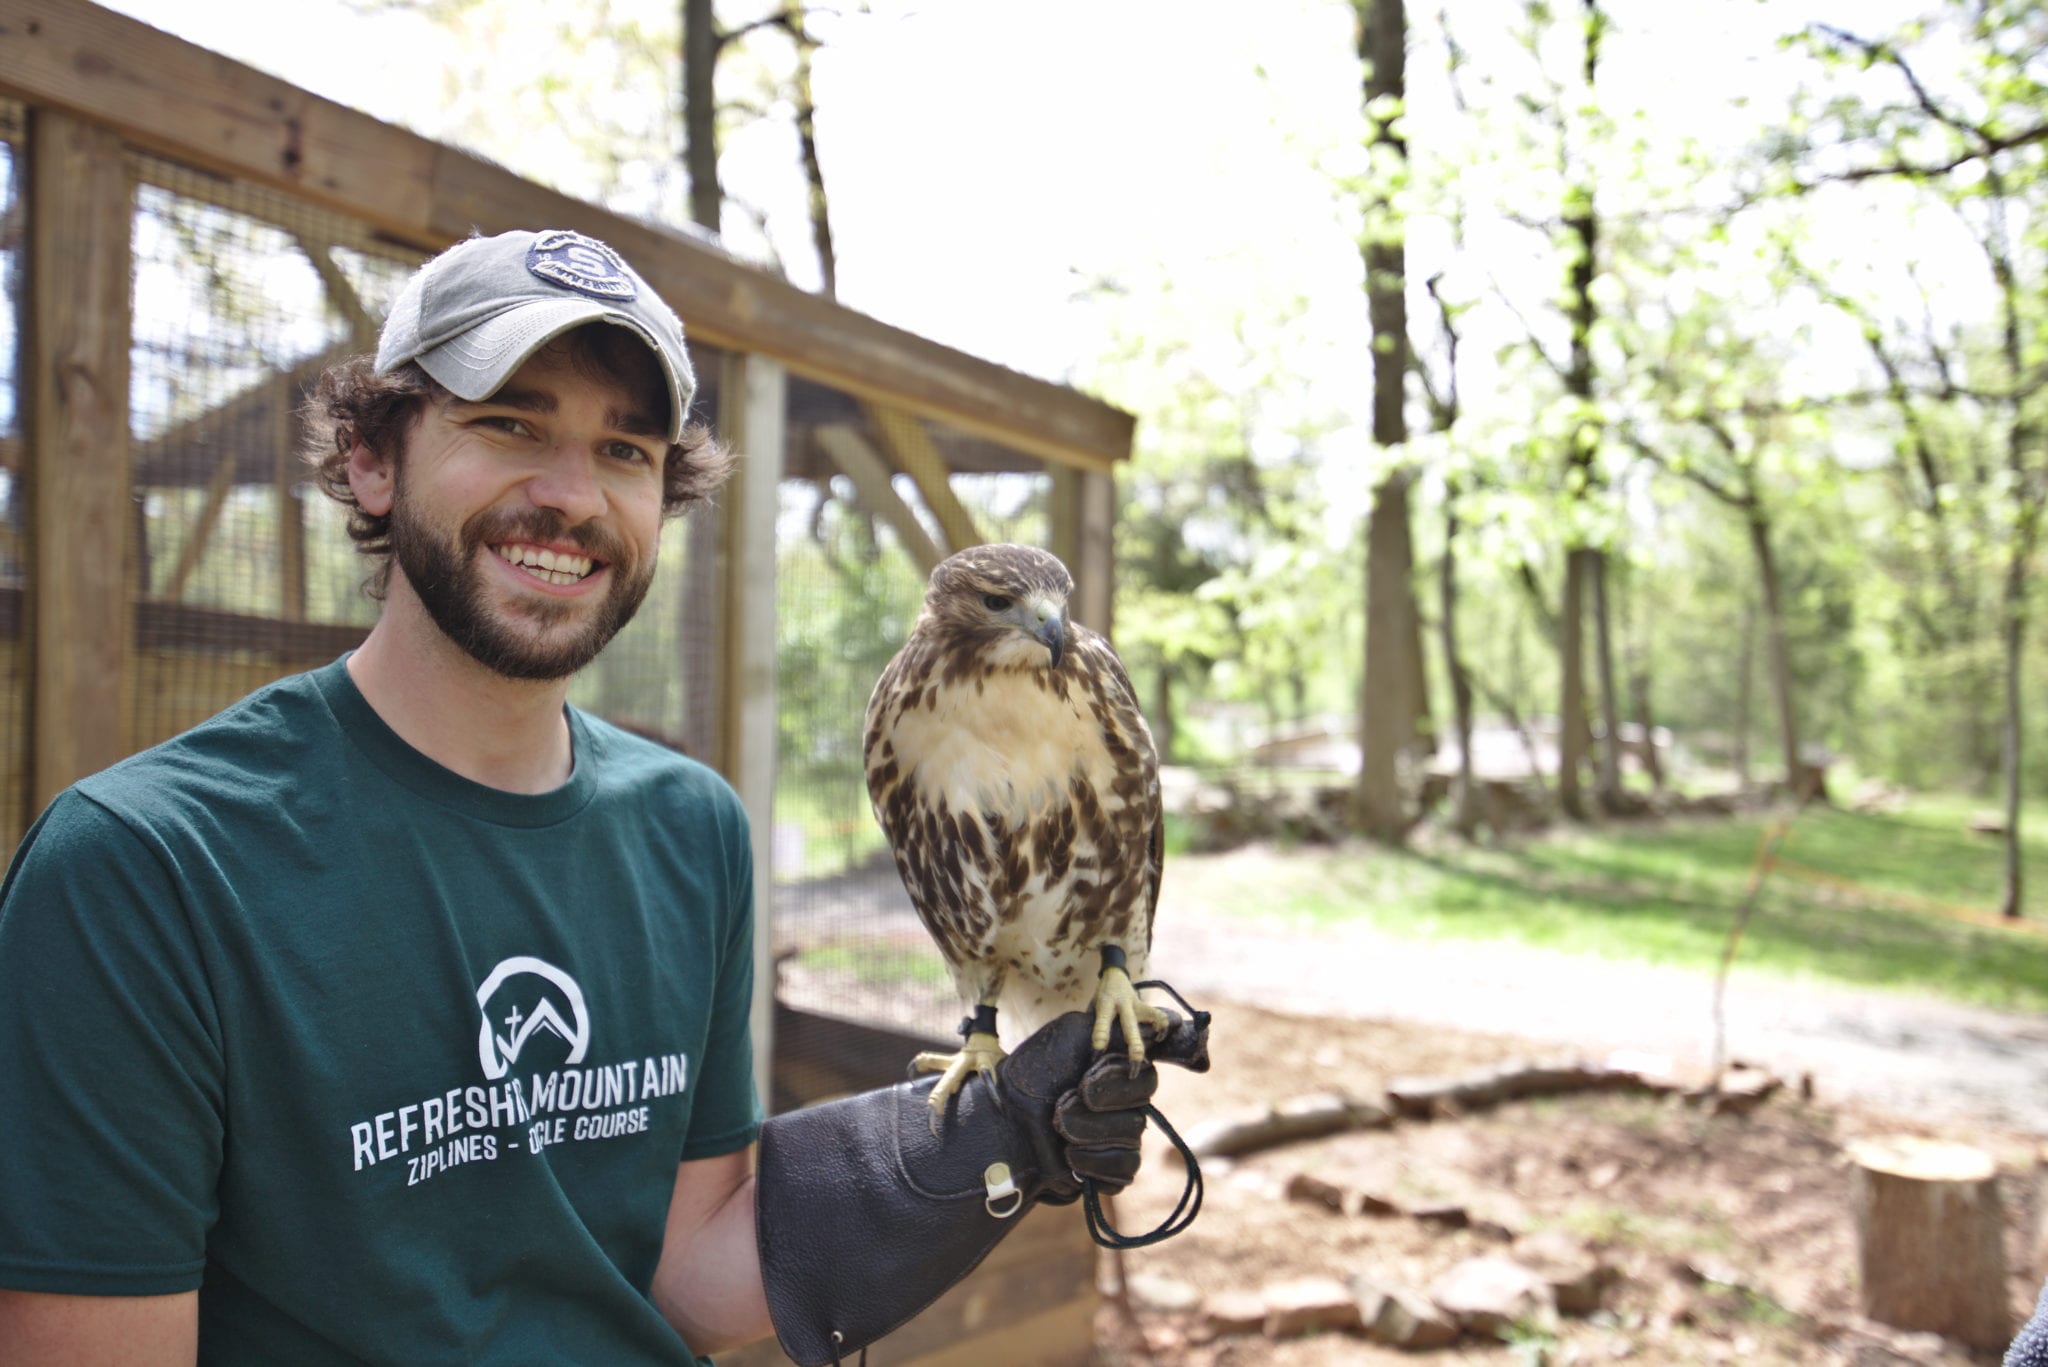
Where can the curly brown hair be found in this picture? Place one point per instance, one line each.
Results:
(351, 402)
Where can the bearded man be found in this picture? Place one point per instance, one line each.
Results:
(400, 1012)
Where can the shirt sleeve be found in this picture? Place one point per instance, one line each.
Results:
(726, 1114)
(111, 1093)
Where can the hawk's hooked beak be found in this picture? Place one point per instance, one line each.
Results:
(1053, 633)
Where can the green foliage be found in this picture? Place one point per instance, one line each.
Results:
(847, 596)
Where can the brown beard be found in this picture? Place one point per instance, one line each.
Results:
(449, 582)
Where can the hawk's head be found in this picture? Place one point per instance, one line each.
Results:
(1003, 598)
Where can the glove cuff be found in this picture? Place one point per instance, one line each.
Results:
(863, 1217)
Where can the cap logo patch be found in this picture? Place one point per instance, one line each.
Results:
(582, 264)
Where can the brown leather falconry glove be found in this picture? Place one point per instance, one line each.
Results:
(864, 1217)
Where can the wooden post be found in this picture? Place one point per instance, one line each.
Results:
(746, 664)
(81, 592)
(1094, 562)
(1063, 514)
(1930, 1238)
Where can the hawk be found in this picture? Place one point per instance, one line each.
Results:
(1017, 784)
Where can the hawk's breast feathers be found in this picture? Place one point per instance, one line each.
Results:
(1021, 801)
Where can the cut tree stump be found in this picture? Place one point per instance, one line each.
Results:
(2037, 1248)
(1930, 1238)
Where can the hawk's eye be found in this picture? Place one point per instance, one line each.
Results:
(995, 602)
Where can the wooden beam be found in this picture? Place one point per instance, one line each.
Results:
(911, 448)
(848, 450)
(201, 534)
(362, 328)
(197, 107)
(179, 626)
(747, 730)
(81, 206)
(283, 389)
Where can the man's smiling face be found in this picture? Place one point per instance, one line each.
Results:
(527, 524)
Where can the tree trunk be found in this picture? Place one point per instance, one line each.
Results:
(1464, 805)
(1162, 713)
(700, 113)
(1636, 666)
(807, 147)
(1610, 704)
(1930, 1238)
(1387, 714)
(1745, 674)
(1796, 778)
(1571, 709)
(2011, 898)
(1582, 569)
(1387, 709)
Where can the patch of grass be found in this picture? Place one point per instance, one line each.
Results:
(1612, 1226)
(873, 965)
(1872, 900)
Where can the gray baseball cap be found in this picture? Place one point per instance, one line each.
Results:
(478, 311)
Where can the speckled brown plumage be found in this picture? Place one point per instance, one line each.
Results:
(1021, 800)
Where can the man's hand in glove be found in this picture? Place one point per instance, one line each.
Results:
(864, 1216)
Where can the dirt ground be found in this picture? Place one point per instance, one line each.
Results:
(1730, 1235)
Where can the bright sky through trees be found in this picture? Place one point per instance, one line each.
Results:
(981, 152)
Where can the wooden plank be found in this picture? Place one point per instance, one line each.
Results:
(1031, 1301)
(179, 626)
(819, 1057)
(747, 730)
(847, 449)
(80, 200)
(162, 93)
(1016, 1322)
(911, 448)
(181, 101)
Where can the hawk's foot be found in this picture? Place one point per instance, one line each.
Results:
(1116, 1001)
(980, 1054)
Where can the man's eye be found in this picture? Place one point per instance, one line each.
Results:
(628, 452)
(995, 602)
(498, 422)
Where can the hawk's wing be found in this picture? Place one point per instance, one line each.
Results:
(1129, 741)
(945, 862)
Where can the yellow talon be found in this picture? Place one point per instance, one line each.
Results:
(980, 1054)
(1118, 1002)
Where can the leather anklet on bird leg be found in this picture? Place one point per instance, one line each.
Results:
(1117, 1002)
(981, 1052)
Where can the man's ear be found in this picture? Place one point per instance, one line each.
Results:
(371, 479)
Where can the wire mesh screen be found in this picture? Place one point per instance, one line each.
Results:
(241, 298)
(657, 678)
(14, 684)
(872, 499)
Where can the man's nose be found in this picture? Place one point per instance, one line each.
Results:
(567, 482)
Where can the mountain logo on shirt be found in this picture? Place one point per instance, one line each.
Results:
(513, 1014)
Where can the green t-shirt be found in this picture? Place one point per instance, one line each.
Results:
(390, 1065)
